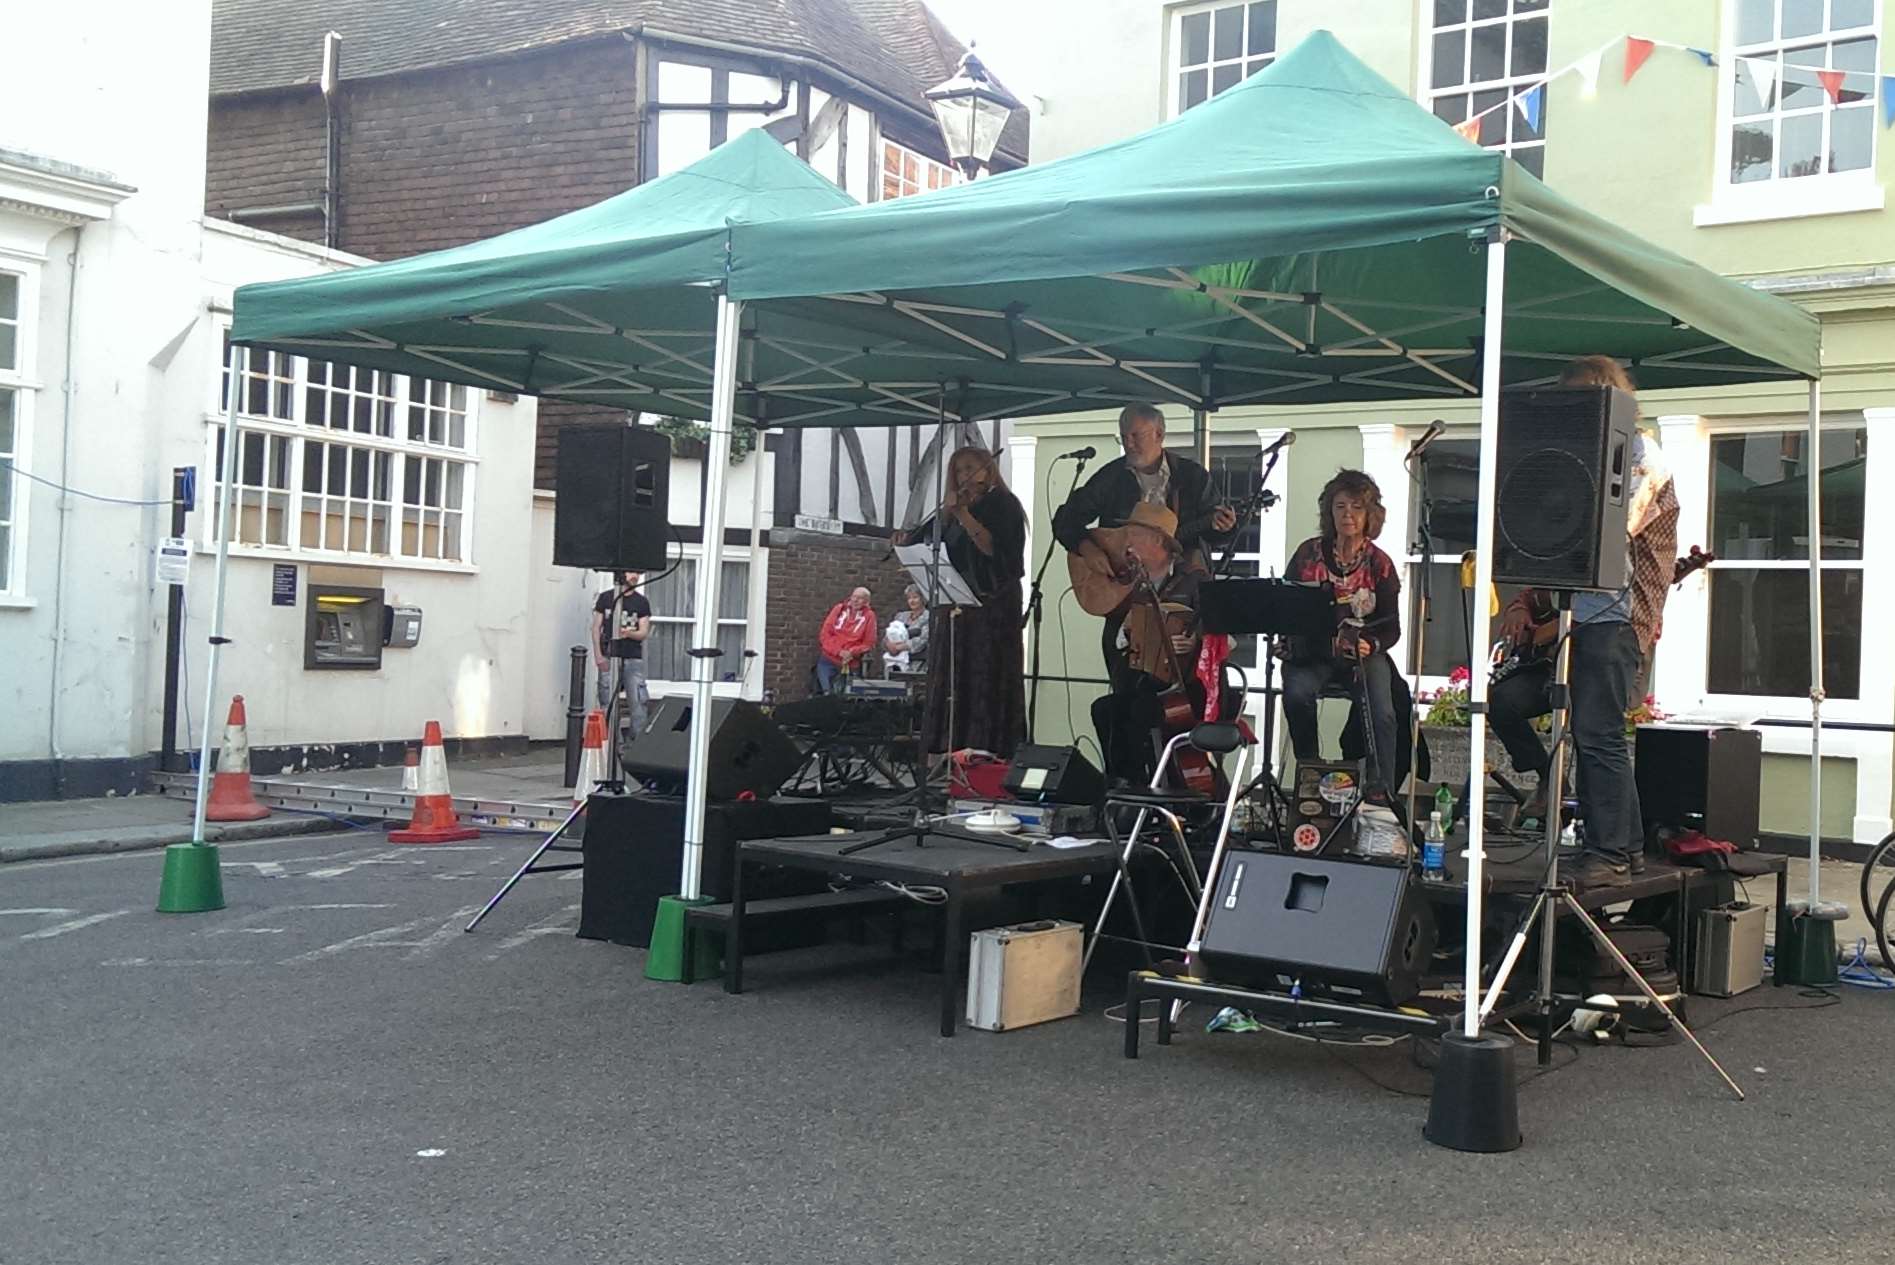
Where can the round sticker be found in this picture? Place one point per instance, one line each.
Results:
(1306, 838)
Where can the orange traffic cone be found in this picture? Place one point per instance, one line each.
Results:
(591, 758)
(434, 820)
(411, 771)
(231, 797)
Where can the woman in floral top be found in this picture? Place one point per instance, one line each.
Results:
(1367, 590)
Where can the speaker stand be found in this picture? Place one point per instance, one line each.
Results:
(550, 844)
(1555, 899)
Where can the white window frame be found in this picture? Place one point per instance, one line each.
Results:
(927, 168)
(751, 622)
(1425, 92)
(1836, 193)
(18, 379)
(1174, 65)
(300, 433)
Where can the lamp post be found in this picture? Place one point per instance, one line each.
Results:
(972, 110)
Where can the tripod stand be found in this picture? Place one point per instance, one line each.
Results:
(1555, 899)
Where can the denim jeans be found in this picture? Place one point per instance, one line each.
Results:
(827, 676)
(1604, 676)
(1303, 683)
(638, 699)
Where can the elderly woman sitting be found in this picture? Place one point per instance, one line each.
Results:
(905, 643)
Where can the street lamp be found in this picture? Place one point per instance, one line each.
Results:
(972, 110)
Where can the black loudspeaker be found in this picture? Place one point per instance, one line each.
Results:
(1702, 777)
(748, 752)
(634, 850)
(1341, 928)
(1565, 466)
(1053, 775)
(613, 483)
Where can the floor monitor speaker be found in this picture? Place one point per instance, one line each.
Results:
(1347, 929)
(747, 752)
(613, 483)
(1564, 472)
(1053, 775)
(1704, 777)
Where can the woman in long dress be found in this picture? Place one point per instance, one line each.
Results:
(976, 650)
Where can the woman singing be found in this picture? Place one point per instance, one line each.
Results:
(977, 650)
(1368, 620)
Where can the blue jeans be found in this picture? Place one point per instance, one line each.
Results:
(1304, 681)
(828, 676)
(637, 699)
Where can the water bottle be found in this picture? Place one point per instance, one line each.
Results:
(1444, 802)
(1434, 847)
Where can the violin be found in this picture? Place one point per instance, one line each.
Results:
(1152, 629)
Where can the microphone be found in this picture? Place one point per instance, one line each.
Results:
(1281, 442)
(1427, 437)
(1084, 454)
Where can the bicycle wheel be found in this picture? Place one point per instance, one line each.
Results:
(1882, 860)
(1882, 928)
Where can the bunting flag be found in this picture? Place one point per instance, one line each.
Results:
(1470, 130)
(1888, 100)
(1703, 55)
(1636, 51)
(1832, 84)
(1530, 103)
(1588, 68)
(1763, 73)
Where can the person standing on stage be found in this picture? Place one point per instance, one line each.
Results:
(975, 652)
(1612, 634)
(1367, 590)
(621, 621)
(1146, 475)
(848, 634)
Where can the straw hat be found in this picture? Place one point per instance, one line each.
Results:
(1155, 518)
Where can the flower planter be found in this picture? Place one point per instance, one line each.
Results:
(1447, 751)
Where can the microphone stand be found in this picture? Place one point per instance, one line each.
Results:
(1035, 604)
(1424, 549)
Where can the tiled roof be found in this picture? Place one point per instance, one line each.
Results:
(896, 46)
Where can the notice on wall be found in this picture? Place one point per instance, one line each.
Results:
(283, 584)
(174, 560)
(813, 522)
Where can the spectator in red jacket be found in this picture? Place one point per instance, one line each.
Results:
(848, 634)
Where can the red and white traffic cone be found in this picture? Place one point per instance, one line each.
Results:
(591, 758)
(411, 771)
(231, 798)
(434, 820)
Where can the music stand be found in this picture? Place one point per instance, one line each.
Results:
(1271, 609)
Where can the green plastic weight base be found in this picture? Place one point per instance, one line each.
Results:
(672, 943)
(1805, 949)
(193, 881)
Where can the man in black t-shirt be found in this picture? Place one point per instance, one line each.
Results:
(621, 620)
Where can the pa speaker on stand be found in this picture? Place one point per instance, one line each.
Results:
(613, 483)
(1564, 467)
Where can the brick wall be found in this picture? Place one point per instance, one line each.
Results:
(442, 157)
(809, 573)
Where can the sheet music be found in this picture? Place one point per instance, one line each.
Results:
(918, 561)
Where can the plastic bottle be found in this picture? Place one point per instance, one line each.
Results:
(1434, 847)
(1444, 802)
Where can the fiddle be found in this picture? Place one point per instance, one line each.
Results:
(1154, 630)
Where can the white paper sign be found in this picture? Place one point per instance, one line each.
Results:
(174, 560)
(812, 522)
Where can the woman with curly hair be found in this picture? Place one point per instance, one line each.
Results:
(1367, 589)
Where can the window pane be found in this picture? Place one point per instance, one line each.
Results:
(9, 346)
(1194, 39)
(1196, 86)
(733, 591)
(1493, 124)
(1761, 645)
(1798, 88)
(1801, 150)
(1855, 55)
(1533, 159)
(1489, 59)
(674, 594)
(1489, 9)
(1760, 495)
(1756, 21)
(1262, 35)
(1529, 6)
(1747, 93)
(1227, 39)
(1450, 49)
(1453, 470)
(1449, 12)
(9, 296)
(1851, 139)
(1529, 47)
(1226, 77)
(1451, 109)
(6, 427)
(1451, 611)
(1524, 131)
(1752, 153)
(1802, 17)
(1844, 14)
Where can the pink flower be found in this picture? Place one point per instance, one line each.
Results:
(1458, 677)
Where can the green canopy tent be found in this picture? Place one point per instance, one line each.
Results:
(1310, 235)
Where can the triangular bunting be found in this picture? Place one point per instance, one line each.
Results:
(1530, 103)
(1832, 84)
(1704, 56)
(1888, 100)
(1636, 51)
(1763, 73)
(1470, 130)
(1588, 68)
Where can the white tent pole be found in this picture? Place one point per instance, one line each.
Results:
(709, 568)
(1813, 463)
(1483, 585)
(239, 365)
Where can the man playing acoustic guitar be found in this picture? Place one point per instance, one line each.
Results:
(1612, 634)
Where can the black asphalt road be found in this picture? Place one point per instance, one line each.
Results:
(330, 1071)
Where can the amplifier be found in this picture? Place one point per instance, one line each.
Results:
(1703, 776)
(1053, 775)
(865, 687)
(1339, 928)
(1728, 957)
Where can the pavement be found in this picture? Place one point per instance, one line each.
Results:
(331, 1071)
